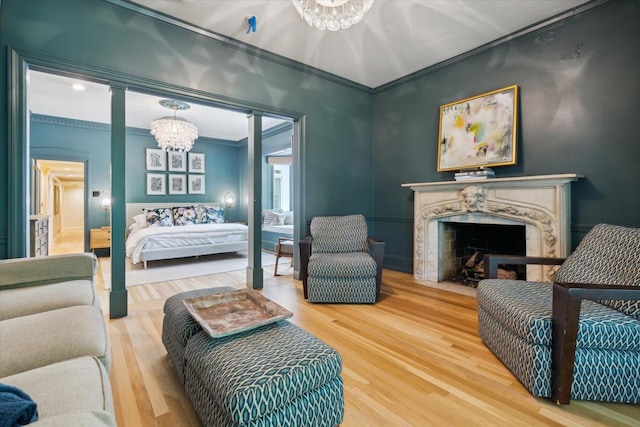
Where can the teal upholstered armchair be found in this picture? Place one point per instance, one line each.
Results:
(339, 263)
(575, 338)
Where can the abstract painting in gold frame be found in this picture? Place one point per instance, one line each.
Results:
(479, 132)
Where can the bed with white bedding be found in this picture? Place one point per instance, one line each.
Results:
(148, 241)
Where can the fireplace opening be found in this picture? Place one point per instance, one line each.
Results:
(465, 244)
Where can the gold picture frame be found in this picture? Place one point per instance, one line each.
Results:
(479, 132)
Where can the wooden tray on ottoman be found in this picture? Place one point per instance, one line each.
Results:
(233, 312)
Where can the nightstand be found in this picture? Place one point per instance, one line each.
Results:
(100, 238)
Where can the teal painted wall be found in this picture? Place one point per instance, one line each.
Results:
(338, 116)
(221, 171)
(59, 138)
(63, 139)
(579, 102)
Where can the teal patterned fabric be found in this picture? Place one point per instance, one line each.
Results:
(336, 290)
(276, 375)
(351, 264)
(599, 375)
(251, 375)
(339, 234)
(609, 255)
(525, 309)
(178, 326)
(341, 269)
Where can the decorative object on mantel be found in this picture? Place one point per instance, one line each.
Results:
(479, 132)
(172, 132)
(480, 173)
(332, 15)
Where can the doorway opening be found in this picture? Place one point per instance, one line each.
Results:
(57, 196)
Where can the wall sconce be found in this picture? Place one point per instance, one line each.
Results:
(104, 201)
(229, 201)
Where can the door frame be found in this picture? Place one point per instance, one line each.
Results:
(19, 151)
(38, 153)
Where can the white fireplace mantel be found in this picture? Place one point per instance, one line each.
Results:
(541, 203)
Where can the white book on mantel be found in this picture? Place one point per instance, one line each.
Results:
(472, 177)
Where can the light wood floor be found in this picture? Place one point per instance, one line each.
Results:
(413, 359)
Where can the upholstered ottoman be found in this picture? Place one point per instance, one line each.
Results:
(178, 325)
(277, 374)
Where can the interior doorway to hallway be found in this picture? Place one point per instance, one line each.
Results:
(58, 196)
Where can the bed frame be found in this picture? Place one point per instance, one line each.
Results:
(134, 209)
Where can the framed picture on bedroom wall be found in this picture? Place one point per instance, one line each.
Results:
(156, 184)
(177, 161)
(196, 184)
(156, 160)
(177, 184)
(196, 163)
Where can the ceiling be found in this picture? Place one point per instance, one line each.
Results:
(54, 95)
(394, 39)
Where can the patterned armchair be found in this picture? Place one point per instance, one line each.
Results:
(578, 337)
(339, 263)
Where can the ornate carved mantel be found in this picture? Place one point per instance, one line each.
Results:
(540, 203)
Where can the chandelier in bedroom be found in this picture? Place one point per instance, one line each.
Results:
(332, 15)
(171, 132)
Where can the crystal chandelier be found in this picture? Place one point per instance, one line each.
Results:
(171, 132)
(332, 15)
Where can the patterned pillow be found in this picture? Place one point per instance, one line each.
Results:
(160, 217)
(270, 216)
(185, 215)
(210, 214)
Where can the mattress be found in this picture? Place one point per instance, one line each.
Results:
(183, 236)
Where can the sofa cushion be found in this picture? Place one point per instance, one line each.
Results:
(40, 339)
(24, 272)
(608, 255)
(76, 385)
(339, 234)
(525, 308)
(36, 299)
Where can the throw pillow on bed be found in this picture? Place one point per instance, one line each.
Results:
(160, 217)
(210, 214)
(185, 216)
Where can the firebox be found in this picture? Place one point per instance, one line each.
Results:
(465, 244)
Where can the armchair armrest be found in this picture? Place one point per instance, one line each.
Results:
(491, 262)
(567, 298)
(305, 253)
(376, 249)
(23, 272)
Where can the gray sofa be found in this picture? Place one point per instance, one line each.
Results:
(54, 339)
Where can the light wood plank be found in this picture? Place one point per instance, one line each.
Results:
(413, 359)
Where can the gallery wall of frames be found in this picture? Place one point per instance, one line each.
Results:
(174, 172)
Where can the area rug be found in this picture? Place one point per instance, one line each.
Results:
(181, 268)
